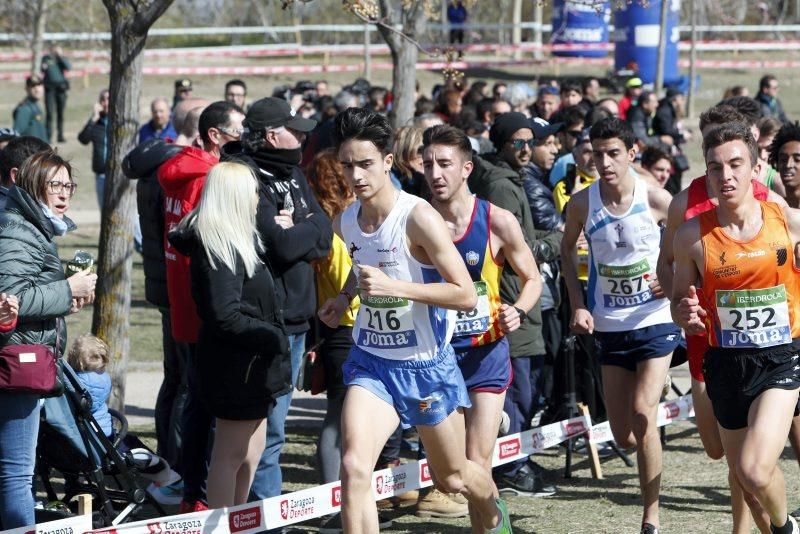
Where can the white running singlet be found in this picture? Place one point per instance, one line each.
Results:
(392, 327)
(623, 252)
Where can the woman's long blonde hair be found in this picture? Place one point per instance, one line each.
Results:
(225, 218)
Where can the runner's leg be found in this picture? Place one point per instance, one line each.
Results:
(705, 421)
(367, 422)
(444, 445)
(650, 376)
(482, 422)
(732, 442)
(769, 419)
(618, 386)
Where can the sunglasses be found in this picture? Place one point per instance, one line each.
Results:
(519, 144)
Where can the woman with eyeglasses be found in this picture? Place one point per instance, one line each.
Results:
(31, 270)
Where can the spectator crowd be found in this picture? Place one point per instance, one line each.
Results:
(243, 212)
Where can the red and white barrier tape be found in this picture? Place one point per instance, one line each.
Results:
(70, 525)
(668, 412)
(272, 70)
(282, 50)
(326, 499)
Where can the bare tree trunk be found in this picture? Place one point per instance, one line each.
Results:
(129, 26)
(516, 31)
(37, 37)
(404, 51)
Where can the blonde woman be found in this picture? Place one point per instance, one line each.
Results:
(242, 348)
(407, 169)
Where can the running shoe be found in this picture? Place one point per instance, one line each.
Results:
(505, 520)
(170, 495)
(525, 483)
(647, 528)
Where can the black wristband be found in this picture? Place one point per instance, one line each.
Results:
(522, 315)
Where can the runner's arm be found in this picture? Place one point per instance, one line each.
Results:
(519, 256)
(426, 230)
(576, 214)
(331, 311)
(685, 305)
(664, 267)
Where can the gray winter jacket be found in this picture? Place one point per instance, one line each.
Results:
(31, 269)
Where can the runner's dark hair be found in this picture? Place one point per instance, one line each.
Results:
(613, 127)
(446, 135)
(363, 124)
(788, 132)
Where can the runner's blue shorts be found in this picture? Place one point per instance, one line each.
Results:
(424, 392)
(487, 367)
(628, 348)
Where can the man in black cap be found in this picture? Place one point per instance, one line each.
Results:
(28, 116)
(295, 232)
(183, 90)
(501, 181)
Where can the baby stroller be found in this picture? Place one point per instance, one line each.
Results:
(73, 444)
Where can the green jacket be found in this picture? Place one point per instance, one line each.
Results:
(53, 68)
(504, 188)
(31, 269)
(29, 119)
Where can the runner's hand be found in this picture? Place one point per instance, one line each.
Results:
(690, 314)
(582, 321)
(509, 318)
(656, 289)
(373, 283)
(9, 308)
(331, 312)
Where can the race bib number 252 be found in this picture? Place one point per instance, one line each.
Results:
(753, 317)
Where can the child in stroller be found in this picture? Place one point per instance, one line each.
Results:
(88, 357)
(89, 444)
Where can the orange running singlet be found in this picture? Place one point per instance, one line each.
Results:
(751, 287)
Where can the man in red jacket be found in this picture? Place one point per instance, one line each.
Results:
(182, 179)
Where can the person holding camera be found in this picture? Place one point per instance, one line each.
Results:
(30, 269)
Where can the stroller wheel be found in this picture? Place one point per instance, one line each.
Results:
(139, 496)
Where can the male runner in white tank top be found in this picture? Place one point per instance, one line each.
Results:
(627, 312)
(401, 367)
